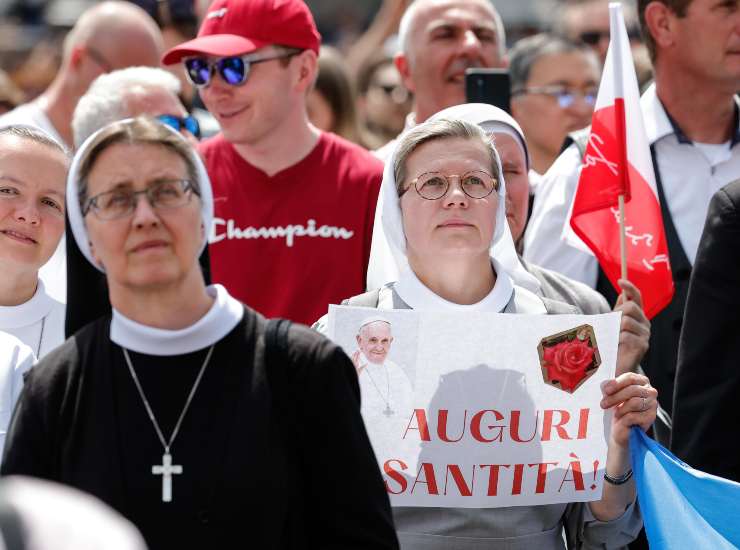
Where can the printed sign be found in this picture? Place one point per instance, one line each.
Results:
(483, 410)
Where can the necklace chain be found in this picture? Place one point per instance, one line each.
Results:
(387, 383)
(167, 444)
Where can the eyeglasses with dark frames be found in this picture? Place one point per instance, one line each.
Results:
(432, 186)
(565, 96)
(593, 37)
(121, 202)
(233, 70)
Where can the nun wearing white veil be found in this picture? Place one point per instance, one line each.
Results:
(166, 409)
(443, 214)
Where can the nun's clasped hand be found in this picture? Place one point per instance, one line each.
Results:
(634, 402)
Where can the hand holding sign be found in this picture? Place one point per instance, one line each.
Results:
(635, 403)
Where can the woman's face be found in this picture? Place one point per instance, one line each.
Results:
(456, 225)
(32, 180)
(149, 247)
(514, 165)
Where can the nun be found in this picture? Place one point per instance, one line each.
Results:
(33, 169)
(511, 146)
(16, 359)
(174, 410)
(444, 220)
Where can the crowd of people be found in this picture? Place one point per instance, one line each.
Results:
(179, 184)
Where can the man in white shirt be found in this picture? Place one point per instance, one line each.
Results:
(108, 36)
(691, 118)
(439, 40)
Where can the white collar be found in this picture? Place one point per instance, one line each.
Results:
(27, 313)
(224, 315)
(419, 297)
(657, 124)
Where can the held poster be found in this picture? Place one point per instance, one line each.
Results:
(483, 410)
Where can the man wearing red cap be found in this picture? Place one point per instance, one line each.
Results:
(294, 206)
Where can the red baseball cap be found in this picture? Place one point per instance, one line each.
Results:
(237, 27)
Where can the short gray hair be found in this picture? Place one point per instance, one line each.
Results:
(105, 100)
(435, 130)
(35, 135)
(140, 130)
(409, 17)
(527, 51)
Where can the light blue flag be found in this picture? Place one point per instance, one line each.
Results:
(683, 507)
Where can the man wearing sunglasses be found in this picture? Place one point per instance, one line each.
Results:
(294, 206)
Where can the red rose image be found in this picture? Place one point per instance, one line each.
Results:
(566, 362)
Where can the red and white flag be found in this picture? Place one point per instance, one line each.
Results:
(617, 162)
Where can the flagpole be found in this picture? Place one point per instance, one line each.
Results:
(615, 17)
(622, 238)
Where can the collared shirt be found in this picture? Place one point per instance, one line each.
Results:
(690, 174)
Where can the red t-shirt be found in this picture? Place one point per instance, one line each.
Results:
(291, 244)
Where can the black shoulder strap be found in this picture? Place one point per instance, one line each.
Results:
(10, 527)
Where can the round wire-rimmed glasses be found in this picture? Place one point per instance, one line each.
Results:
(432, 186)
(121, 202)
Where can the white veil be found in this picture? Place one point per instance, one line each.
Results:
(74, 212)
(388, 250)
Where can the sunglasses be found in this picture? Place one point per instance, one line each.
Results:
(592, 38)
(233, 70)
(188, 123)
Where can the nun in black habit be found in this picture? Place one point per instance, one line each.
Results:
(173, 409)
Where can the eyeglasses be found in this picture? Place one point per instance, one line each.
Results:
(565, 97)
(119, 203)
(189, 123)
(233, 70)
(592, 38)
(396, 92)
(476, 184)
(100, 59)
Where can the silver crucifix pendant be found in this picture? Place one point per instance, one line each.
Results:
(166, 470)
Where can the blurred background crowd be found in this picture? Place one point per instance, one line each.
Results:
(359, 93)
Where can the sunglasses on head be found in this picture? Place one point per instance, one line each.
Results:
(188, 123)
(233, 70)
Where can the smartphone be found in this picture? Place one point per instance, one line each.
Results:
(490, 86)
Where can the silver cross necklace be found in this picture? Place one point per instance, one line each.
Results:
(166, 469)
(388, 412)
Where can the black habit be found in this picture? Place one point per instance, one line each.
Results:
(251, 478)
